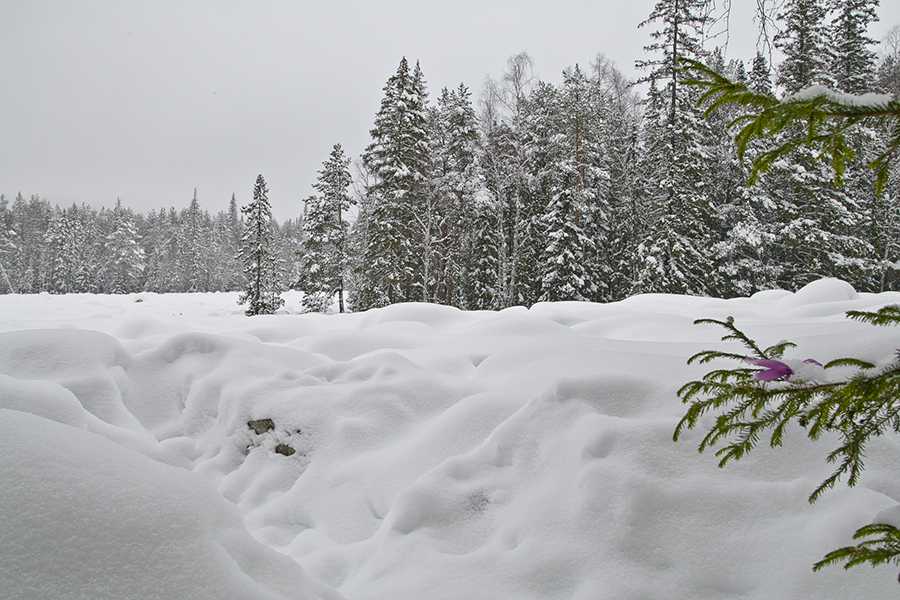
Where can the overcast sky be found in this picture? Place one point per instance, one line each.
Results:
(146, 101)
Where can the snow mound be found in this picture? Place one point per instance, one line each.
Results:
(81, 516)
(174, 448)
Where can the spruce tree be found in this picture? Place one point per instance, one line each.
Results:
(60, 246)
(456, 180)
(852, 59)
(324, 256)
(626, 219)
(234, 278)
(398, 160)
(804, 42)
(257, 254)
(482, 251)
(743, 240)
(123, 269)
(675, 255)
(575, 180)
(195, 245)
(509, 166)
(760, 77)
(854, 68)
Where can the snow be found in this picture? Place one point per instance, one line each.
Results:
(522, 454)
(861, 100)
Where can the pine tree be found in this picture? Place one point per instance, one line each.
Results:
(195, 245)
(575, 180)
(627, 218)
(456, 180)
(853, 60)
(122, 272)
(804, 42)
(889, 65)
(263, 290)
(324, 255)
(398, 160)
(509, 108)
(676, 254)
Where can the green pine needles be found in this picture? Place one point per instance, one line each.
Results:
(759, 399)
(883, 548)
(816, 118)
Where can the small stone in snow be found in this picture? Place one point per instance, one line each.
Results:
(284, 449)
(261, 426)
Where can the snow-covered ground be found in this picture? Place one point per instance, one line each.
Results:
(439, 454)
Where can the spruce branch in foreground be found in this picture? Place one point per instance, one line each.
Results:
(816, 117)
(763, 396)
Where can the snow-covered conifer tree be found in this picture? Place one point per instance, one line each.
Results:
(398, 161)
(323, 258)
(123, 267)
(675, 254)
(804, 42)
(625, 223)
(575, 178)
(257, 254)
(456, 180)
(852, 58)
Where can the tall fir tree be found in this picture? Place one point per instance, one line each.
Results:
(852, 58)
(675, 255)
(804, 42)
(398, 160)
(626, 219)
(324, 257)
(760, 77)
(195, 243)
(262, 293)
(575, 181)
(123, 268)
(818, 223)
(456, 181)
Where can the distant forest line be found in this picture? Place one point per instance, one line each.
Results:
(585, 190)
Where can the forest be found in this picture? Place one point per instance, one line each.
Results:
(595, 189)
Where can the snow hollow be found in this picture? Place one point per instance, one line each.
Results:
(166, 446)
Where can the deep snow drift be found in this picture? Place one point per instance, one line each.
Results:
(417, 452)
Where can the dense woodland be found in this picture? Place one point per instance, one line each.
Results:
(587, 190)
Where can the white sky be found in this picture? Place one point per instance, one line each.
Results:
(147, 100)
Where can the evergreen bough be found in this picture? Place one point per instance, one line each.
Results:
(815, 118)
(859, 408)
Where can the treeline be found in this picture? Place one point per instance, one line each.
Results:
(81, 250)
(585, 190)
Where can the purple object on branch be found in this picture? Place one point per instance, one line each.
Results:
(775, 369)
